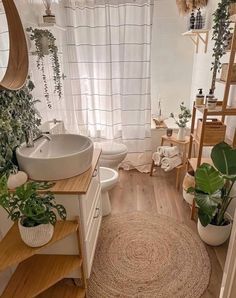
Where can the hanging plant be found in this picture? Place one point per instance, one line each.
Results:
(45, 44)
(221, 36)
(17, 115)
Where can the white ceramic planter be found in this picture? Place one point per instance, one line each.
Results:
(181, 134)
(214, 235)
(188, 197)
(36, 236)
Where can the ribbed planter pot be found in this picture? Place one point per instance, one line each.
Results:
(36, 236)
(189, 181)
(181, 134)
(214, 235)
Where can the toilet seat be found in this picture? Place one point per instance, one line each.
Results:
(112, 148)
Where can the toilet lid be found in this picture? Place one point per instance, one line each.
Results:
(112, 148)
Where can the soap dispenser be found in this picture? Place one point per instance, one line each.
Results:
(199, 98)
(211, 100)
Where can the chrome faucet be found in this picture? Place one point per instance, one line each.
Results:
(30, 140)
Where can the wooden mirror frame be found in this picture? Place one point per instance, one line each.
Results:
(18, 63)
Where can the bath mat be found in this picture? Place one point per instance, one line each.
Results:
(146, 255)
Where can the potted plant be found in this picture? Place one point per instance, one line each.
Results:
(34, 211)
(45, 44)
(221, 36)
(183, 118)
(212, 192)
(49, 17)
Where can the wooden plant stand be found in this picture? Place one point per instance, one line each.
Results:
(39, 275)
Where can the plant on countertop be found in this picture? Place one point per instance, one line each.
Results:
(45, 44)
(214, 184)
(221, 36)
(183, 117)
(17, 115)
(29, 206)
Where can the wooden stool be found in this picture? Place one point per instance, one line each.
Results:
(184, 149)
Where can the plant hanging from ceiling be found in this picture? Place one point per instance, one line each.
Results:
(45, 44)
(221, 36)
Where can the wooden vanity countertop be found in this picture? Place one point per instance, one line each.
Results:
(78, 184)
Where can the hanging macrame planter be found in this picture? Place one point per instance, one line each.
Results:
(186, 6)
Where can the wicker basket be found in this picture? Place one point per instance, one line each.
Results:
(224, 72)
(214, 131)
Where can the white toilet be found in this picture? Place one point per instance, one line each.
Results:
(108, 178)
(112, 155)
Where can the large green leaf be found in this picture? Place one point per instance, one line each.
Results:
(224, 159)
(207, 206)
(208, 179)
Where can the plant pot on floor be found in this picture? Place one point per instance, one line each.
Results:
(181, 134)
(189, 181)
(214, 235)
(36, 236)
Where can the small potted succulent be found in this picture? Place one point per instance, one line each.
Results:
(212, 192)
(34, 211)
(183, 118)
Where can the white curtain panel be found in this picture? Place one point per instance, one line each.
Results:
(4, 41)
(108, 85)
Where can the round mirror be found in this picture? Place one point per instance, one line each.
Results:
(4, 42)
(13, 48)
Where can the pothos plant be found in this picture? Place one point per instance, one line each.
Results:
(17, 115)
(45, 44)
(221, 36)
(183, 117)
(28, 205)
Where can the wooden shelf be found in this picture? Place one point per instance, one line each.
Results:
(224, 82)
(14, 250)
(193, 162)
(173, 139)
(196, 36)
(61, 290)
(38, 273)
(229, 111)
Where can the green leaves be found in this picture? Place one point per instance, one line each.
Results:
(208, 179)
(224, 159)
(183, 117)
(28, 204)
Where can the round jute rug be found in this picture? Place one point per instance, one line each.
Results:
(147, 256)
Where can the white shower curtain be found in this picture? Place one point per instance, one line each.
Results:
(108, 69)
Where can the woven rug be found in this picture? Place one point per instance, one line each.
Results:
(146, 256)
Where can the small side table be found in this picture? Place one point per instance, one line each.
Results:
(184, 149)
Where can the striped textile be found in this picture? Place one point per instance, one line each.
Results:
(4, 42)
(108, 83)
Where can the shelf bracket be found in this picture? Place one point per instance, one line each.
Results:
(196, 36)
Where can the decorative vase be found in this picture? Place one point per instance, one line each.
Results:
(16, 179)
(214, 235)
(189, 181)
(36, 236)
(181, 134)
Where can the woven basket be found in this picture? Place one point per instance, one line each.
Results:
(36, 236)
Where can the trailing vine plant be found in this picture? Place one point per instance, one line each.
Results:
(38, 36)
(221, 36)
(17, 115)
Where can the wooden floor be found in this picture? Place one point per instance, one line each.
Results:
(140, 192)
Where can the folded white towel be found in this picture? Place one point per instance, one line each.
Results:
(169, 163)
(156, 157)
(168, 151)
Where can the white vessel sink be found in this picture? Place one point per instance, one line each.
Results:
(62, 157)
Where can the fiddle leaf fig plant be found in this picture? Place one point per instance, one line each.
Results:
(45, 43)
(214, 184)
(28, 205)
(17, 115)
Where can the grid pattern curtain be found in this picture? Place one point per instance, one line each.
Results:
(109, 45)
(4, 41)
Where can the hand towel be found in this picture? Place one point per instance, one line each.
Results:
(168, 151)
(156, 157)
(169, 163)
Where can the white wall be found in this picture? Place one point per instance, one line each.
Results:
(172, 58)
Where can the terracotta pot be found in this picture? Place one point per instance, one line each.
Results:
(36, 236)
(214, 235)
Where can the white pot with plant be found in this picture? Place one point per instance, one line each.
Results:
(182, 120)
(34, 211)
(212, 193)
